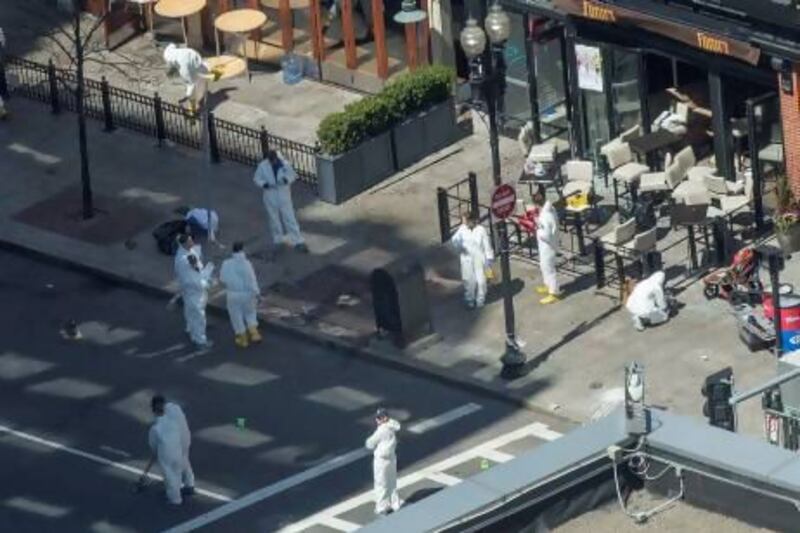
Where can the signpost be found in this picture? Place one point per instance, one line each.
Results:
(504, 200)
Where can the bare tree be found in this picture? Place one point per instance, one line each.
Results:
(71, 37)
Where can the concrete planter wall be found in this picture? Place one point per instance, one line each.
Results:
(343, 176)
(424, 134)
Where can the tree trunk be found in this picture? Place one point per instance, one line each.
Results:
(86, 179)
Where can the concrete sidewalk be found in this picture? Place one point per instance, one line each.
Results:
(577, 348)
(138, 65)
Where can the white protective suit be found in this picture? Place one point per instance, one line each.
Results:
(476, 254)
(648, 302)
(383, 443)
(181, 268)
(242, 291)
(547, 242)
(195, 298)
(202, 217)
(278, 201)
(191, 69)
(170, 439)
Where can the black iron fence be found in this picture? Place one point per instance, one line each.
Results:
(152, 116)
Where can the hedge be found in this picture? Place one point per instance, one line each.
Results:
(409, 94)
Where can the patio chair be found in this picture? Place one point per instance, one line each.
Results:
(545, 152)
(624, 170)
(580, 178)
(672, 176)
(641, 243)
(720, 187)
(525, 138)
(734, 204)
(623, 138)
(620, 235)
(674, 120)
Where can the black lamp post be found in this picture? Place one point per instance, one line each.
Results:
(487, 77)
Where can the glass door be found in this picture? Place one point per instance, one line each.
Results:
(626, 105)
(516, 109)
(548, 63)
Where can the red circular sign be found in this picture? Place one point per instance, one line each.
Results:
(504, 200)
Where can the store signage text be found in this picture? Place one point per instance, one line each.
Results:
(696, 37)
(596, 12)
(713, 44)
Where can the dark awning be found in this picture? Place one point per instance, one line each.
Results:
(671, 21)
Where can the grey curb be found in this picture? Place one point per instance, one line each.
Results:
(407, 365)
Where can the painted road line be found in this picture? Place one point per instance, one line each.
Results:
(270, 490)
(542, 431)
(427, 472)
(101, 460)
(445, 418)
(445, 479)
(313, 472)
(339, 524)
(497, 456)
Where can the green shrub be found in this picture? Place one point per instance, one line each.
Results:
(376, 114)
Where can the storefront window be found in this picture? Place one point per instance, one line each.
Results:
(625, 89)
(592, 84)
(517, 97)
(550, 90)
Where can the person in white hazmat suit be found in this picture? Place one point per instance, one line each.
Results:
(169, 440)
(186, 247)
(648, 303)
(275, 175)
(547, 243)
(472, 242)
(242, 293)
(196, 280)
(192, 70)
(383, 443)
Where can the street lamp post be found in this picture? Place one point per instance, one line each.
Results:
(486, 75)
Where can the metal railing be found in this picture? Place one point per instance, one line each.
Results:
(151, 116)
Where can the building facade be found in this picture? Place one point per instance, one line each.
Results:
(589, 70)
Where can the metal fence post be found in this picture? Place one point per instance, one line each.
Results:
(55, 104)
(159, 115)
(213, 147)
(264, 138)
(108, 116)
(599, 265)
(472, 179)
(444, 213)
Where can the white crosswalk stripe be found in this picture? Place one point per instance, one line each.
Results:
(435, 472)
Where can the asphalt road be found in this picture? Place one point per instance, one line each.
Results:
(270, 419)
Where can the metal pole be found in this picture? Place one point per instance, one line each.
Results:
(771, 384)
(512, 358)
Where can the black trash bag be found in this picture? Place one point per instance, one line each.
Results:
(166, 236)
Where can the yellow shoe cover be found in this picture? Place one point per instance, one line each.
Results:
(255, 336)
(241, 340)
(542, 289)
(549, 299)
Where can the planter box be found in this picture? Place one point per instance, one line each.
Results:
(424, 134)
(343, 176)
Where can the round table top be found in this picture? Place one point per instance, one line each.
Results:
(293, 4)
(176, 9)
(240, 20)
(230, 66)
